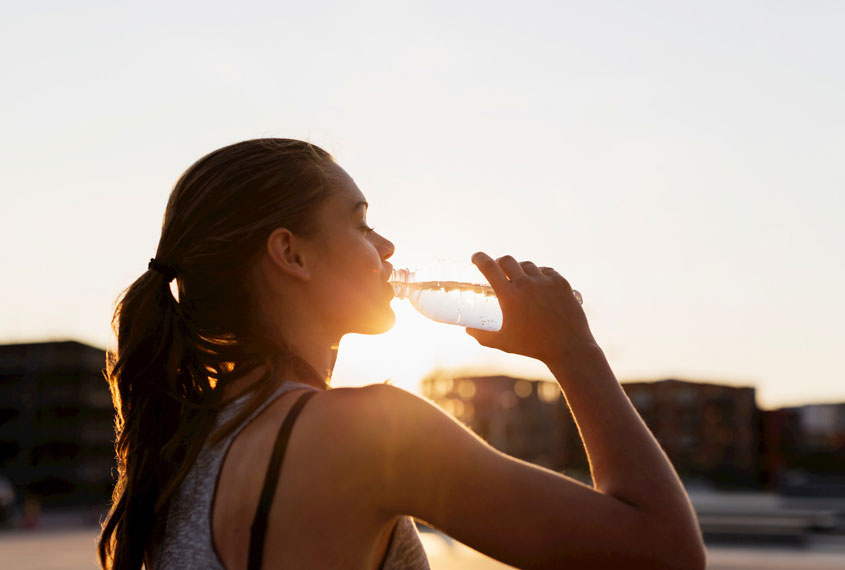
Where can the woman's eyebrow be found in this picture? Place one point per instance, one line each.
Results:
(360, 203)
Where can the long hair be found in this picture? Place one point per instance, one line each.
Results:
(174, 356)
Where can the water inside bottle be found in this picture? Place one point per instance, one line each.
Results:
(452, 293)
(457, 303)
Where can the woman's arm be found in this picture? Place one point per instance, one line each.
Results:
(430, 466)
(626, 461)
(426, 464)
(542, 319)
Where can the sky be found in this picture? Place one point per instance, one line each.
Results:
(679, 162)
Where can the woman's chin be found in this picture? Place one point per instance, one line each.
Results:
(377, 323)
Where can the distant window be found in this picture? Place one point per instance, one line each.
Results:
(686, 395)
(507, 400)
(642, 399)
(523, 388)
(548, 392)
(443, 386)
(466, 389)
(469, 412)
(687, 441)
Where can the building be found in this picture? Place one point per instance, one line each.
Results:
(780, 445)
(815, 453)
(713, 432)
(707, 430)
(56, 422)
(822, 426)
(516, 416)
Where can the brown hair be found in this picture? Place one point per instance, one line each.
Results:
(173, 356)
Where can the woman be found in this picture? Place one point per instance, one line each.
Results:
(273, 263)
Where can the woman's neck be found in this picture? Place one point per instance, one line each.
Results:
(322, 361)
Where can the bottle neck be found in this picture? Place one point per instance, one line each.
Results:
(399, 279)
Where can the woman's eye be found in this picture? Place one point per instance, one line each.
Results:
(367, 229)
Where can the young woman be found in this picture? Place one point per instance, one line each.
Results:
(273, 262)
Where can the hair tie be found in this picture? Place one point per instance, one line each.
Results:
(168, 271)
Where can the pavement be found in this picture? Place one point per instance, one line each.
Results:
(75, 549)
(65, 541)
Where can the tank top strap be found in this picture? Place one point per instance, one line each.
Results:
(258, 530)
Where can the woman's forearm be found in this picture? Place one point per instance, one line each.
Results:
(625, 459)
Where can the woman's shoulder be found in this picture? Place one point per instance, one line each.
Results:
(378, 425)
(376, 411)
(394, 440)
(402, 454)
(370, 394)
(367, 411)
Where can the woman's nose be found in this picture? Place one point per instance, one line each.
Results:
(387, 248)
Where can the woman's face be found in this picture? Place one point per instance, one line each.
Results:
(350, 272)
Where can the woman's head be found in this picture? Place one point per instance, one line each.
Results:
(272, 225)
(258, 233)
(218, 217)
(334, 280)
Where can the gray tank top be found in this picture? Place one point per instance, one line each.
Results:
(187, 541)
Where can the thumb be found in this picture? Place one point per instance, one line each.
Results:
(483, 337)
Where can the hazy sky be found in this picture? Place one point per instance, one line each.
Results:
(680, 163)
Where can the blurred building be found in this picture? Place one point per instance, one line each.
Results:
(516, 416)
(815, 457)
(56, 422)
(713, 432)
(707, 430)
(822, 426)
(780, 445)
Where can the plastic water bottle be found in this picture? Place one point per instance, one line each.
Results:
(453, 293)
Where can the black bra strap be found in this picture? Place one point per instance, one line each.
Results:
(259, 523)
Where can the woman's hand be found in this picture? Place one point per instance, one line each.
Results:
(540, 316)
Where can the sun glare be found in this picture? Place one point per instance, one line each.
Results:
(403, 355)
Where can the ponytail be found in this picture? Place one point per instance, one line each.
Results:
(149, 392)
(174, 356)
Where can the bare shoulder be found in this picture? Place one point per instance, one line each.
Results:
(373, 418)
(375, 402)
(405, 446)
(354, 397)
(386, 441)
(376, 415)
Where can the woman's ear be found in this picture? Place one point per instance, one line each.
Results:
(286, 252)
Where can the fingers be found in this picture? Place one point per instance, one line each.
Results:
(491, 270)
(504, 269)
(530, 269)
(507, 266)
(511, 268)
(550, 272)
